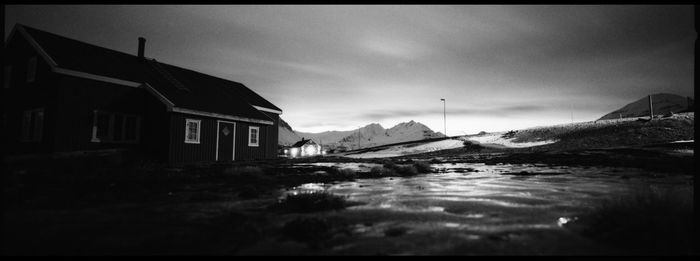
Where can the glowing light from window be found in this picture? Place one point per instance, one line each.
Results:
(310, 150)
(563, 221)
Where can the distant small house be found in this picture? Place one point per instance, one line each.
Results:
(304, 148)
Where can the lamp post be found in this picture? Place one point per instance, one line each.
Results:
(358, 137)
(444, 115)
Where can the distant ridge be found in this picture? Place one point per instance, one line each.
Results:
(663, 103)
(370, 135)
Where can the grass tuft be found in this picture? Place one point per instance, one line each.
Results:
(406, 171)
(247, 170)
(312, 202)
(389, 168)
(343, 174)
(422, 167)
(315, 231)
(395, 231)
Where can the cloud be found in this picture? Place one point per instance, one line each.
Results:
(349, 65)
(394, 47)
(500, 111)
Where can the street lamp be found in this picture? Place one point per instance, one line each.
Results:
(358, 137)
(444, 115)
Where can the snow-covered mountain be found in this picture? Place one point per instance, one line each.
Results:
(662, 103)
(286, 134)
(373, 135)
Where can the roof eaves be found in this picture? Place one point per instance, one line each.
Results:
(36, 45)
(169, 104)
(221, 116)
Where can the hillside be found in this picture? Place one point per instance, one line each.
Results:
(286, 135)
(678, 129)
(607, 133)
(663, 103)
(373, 135)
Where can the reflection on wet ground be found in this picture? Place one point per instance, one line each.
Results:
(341, 165)
(478, 208)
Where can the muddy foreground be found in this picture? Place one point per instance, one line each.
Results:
(466, 202)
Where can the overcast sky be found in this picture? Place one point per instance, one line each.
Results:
(340, 67)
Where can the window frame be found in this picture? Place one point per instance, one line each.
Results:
(32, 130)
(250, 136)
(111, 128)
(187, 130)
(32, 65)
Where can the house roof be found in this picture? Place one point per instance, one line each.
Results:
(184, 88)
(303, 142)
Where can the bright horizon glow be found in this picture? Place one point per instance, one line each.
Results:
(469, 125)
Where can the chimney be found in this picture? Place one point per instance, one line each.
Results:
(142, 46)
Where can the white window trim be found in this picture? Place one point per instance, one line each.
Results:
(250, 135)
(199, 130)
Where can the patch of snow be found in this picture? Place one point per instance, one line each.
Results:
(683, 141)
(496, 139)
(685, 151)
(401, 150)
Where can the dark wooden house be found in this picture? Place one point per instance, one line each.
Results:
(62, 95)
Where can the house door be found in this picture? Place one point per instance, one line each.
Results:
(225, 141)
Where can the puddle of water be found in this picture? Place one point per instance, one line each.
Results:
(477, 198)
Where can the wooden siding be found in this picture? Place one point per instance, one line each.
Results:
(155, 136)
(23, 95)
(245, 152)
(80, 98)
(69, 103)
(181, 152)
(272, 138)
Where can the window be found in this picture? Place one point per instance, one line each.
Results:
(253, 136)
(8, 74)
(115, 127)
(192, 131)
(31, 69)
(101, 128)
(119, 127)
(131, 126)
(32, 125)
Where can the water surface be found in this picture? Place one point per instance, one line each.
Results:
(478, 208)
